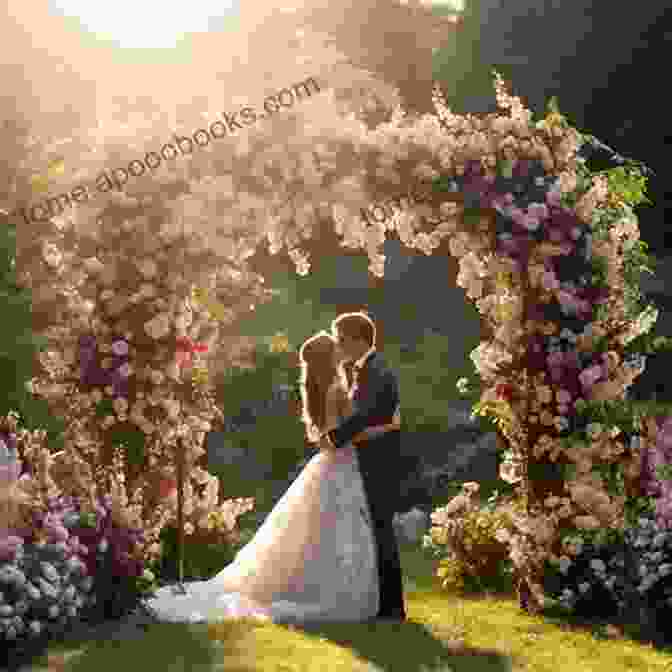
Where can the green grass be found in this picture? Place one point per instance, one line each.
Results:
(444, 633)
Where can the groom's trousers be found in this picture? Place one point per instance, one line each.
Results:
(381, 484)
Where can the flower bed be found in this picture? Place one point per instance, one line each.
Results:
(66, 559)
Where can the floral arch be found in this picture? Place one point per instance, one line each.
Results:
(149, 290)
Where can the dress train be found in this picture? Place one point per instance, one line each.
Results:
(313, 558)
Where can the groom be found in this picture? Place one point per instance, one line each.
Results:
(375, 397)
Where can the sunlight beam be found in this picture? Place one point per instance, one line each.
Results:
(133, 24)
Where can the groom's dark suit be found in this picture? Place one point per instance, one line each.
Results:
(375, 398)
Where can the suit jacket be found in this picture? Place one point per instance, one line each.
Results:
(374, 401)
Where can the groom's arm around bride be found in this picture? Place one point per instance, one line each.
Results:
(374, 403)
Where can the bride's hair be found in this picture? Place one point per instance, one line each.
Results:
(318, 373)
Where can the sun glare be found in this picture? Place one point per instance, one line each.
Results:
(134, 24)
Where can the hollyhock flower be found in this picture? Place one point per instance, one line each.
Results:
(517, 216)
(556, 359)
(587, 523)
(588, 377)
(556, 235)
(563, 397)
(125, 370)
(120, 348)
(544, 394)
(538, 210)
(550, 282)
(554, 197)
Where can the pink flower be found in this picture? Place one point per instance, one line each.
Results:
(550, 281)
(563, 397)
(563, 409)
(557, 374)
(554, 197)
(588, 377)
(538, 210)
(555, 359)
(120, 348)
(556, 235)
(518, 216)
(530, 223)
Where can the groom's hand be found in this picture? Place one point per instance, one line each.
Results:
(325, 443)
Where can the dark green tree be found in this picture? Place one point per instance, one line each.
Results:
(19, 346)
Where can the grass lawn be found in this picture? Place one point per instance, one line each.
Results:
(444, 633)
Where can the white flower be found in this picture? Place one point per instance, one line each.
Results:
(609, 583)
(665, 569)
(597, 565)
(125, 370)
(93, 265)
(584, 587)
(52, 255)
(462, 385)
(659, 540)
(148, 268)
(120, 348)
(646, 584)
(567, 594)
(564, 564)
(159, 326)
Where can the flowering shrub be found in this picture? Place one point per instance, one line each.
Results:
(603, 575)
(471, 543)
(44, 587)
(102, 534)
(656, 475)
(549, 252)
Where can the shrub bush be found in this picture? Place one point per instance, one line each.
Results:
(473, 554)
(626, 577)
(43, 590)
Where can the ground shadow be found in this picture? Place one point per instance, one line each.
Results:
(162, 646)
(407, 647)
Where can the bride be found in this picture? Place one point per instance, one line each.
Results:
(313, 558)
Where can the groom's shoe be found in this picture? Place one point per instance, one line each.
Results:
(396, 616)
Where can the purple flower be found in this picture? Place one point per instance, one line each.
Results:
(554, 197)
(120, 348)
(87, 342)
(556, 235)
(550, 281)
(555, 359)
(522, 168)
(588, 377)
(538, 210)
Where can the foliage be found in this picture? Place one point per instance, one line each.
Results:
(203, 557)
(43, 588)
(601, 580)
(239, 387)
(473, 555)
(19, 346)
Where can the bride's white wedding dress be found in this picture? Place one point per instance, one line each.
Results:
(313, 558)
